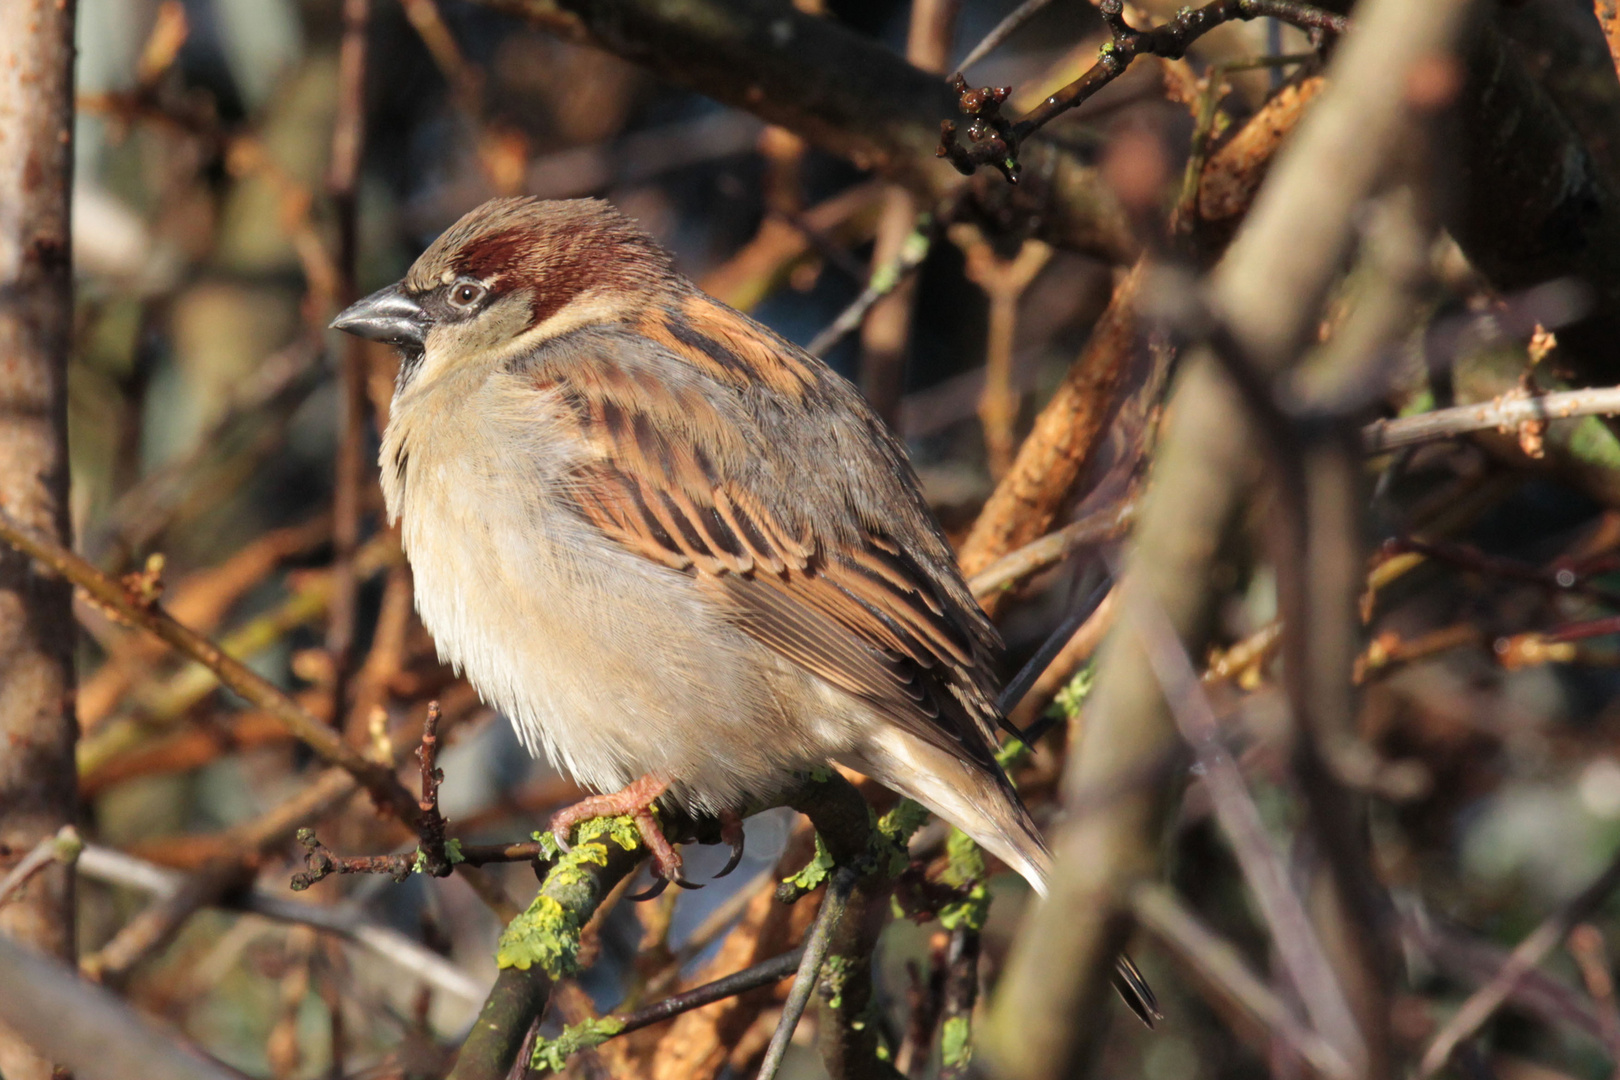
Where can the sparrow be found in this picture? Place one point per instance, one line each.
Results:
(680, 553)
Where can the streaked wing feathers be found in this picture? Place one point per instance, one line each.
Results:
(673, 479)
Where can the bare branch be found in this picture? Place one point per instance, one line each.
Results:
(378, 779)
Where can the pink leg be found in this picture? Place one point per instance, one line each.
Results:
(636, 800)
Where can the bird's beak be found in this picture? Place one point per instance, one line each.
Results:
(387, 315)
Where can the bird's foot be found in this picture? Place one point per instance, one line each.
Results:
(636, 800)
(731, 834)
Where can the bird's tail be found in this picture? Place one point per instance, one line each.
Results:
(984, 805)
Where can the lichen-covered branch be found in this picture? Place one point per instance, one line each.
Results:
(542, 944)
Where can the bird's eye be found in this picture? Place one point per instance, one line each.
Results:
(466, 294)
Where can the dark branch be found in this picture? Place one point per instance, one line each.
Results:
(995, 140)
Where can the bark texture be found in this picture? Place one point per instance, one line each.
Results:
(37, 728)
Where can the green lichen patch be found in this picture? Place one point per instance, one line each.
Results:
(955, 1042)
(965, 869)
(548, 932)
(553, 1054)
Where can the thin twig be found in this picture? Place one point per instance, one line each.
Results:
(995, 140)
(839, 889)
(117, 868)
(1003, 30)
(593, 1033)
(89, 1029)
(884, 280)
(1591, 955)
(63, 847)
(378, 779)
(431, 830)
(1504, 413)
(1160, 911)
(1530, 952)
(1297, 944)
(1053, 548)
(348, 141)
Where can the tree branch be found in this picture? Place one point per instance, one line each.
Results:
(145, 612)
(996, 140)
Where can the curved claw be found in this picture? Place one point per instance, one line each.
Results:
(651, 892)
(564, 844)
(731, 834)
(680, 879)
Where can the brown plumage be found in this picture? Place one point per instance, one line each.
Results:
(671, 546)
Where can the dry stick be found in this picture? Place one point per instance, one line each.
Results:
(1505, 413)
(1273, 280)
(37, 726)
(1003, 281)
(594, 1033)
(118, 868)
(1297, 944)
(1053, 548)
(1502, 413)
(884, 280)
(1158, 908)
(1474, 961)
(1062, 442)
(886, 329)
(64, 847)
(1608, 13)
(1542, 940)
(377, 779)
(220, 877)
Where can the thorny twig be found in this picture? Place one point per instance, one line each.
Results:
(995, 139)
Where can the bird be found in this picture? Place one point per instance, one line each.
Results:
(681, 554)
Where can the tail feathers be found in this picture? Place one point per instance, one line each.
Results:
(980, 803)
(983, 805)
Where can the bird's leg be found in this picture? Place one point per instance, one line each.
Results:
(731, 834)
(637, 801)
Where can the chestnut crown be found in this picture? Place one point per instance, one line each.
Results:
(506, 268)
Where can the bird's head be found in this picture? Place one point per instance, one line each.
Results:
(508, 275)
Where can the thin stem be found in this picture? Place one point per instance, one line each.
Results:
(1531, 951)
(1504, 413)
(815, 952)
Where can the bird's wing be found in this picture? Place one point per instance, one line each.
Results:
(821, 548)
